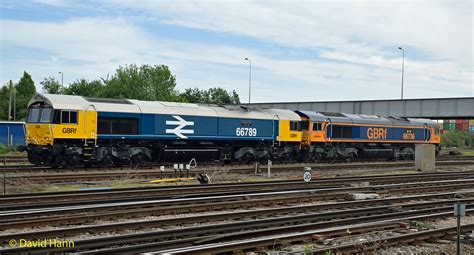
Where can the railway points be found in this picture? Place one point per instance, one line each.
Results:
(236, 216)
(280, 214)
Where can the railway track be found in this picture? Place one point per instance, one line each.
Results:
(156, 174)
(77, 212)
(176, 240)
(28, 168)
(272, 241)
(402, 203)
(228, 217)
(254, 187)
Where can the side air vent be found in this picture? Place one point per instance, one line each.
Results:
(332, 114)
(107, 100)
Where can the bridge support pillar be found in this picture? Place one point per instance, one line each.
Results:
(425, 157)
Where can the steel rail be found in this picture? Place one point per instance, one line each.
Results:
(285, 238)
(383, 189)
(282, 185)
(218, 216)
(11, 222)
(193, 186)
(277, 168)
(18, 214)
(286, 224)
(393, 240)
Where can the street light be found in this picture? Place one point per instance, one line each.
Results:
(62, 79)
(250, 76)
(403, 65)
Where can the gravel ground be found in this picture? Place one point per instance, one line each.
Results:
(427, 248)
(442, 246)
(161, 217)
(447, 247)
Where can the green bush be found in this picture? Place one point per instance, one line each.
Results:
(4, 149)
(459, 139)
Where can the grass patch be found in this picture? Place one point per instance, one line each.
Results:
(421, 226)
(467, 152)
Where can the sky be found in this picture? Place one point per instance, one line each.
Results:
(299, 50)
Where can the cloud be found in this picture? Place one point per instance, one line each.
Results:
(347, 56)
(52, 2)
(443, 28)
(437, 36)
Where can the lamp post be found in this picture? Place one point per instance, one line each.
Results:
(14, 104)
(10, 94)
(403, 65)
(250, 77)
(62, 79)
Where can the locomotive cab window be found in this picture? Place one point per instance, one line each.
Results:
(68, 117)
(40, 114)
(295, 125)
(33, 115)
(46, 115)
(305, 125)
(317, 126)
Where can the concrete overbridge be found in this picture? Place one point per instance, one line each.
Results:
(431, 108)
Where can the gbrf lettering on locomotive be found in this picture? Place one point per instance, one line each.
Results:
(377, 133)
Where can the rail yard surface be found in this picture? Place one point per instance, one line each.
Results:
(372, 207)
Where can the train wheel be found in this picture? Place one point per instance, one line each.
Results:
(407, 153)
(247, 158)
(136, 160)
(107, 161)
(350, 157)
(286, 158)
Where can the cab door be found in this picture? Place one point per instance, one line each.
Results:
(426, 133)
(328, 129)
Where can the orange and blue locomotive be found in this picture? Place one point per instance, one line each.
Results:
(338, 135)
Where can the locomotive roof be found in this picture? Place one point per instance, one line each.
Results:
(12, 122)
(68, 102)
(365, 119)
(60, 101)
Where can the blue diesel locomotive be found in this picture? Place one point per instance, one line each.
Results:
(71, 130)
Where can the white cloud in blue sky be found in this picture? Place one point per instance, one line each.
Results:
(300, 51)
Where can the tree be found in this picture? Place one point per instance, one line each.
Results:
(211, 96)
(52, 86)
(25, 90)
(193, 96)
(460, 139)
(4, 96)
(155, 83)
(235, 97)
(221, 96)
(85, 88)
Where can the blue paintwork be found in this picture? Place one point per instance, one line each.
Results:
(14, 129)
(393, 133)
(153, 126)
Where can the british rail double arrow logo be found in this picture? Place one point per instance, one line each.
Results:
(178, 130)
